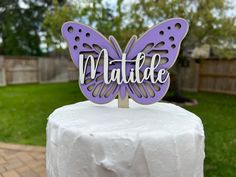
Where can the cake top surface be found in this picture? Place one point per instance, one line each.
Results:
(89, 118)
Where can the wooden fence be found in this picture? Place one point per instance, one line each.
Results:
(218, 76)
(213, 75)
(2, 72)
(190, 76)
(21, 70)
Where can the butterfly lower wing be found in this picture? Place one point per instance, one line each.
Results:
(164, 39)
(84, 40)
(147, 93)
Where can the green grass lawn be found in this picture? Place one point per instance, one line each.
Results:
(24, 110)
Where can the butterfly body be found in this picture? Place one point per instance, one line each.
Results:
(140, 71)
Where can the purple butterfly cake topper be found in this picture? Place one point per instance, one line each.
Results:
(139, 72)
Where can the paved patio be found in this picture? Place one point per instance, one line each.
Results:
(22, 161)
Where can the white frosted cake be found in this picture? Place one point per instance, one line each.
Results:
(159, 140)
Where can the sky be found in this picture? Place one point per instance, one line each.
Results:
(230, 13)
(233, 11)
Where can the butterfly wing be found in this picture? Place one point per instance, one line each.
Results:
(164, 39)
(87, 41)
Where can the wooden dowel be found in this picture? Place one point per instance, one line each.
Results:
(123, 103)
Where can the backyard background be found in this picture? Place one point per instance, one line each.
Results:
(37, 75)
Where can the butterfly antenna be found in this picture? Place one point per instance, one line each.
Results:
(130, 44)
(116, 46)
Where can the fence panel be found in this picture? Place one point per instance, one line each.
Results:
(218, 76)
(73, 72)
(190, 76)
(21, 70)
(53, 70)
(2, 72)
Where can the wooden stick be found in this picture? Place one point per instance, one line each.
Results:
(123, 103)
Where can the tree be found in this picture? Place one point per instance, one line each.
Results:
(21, 26)
(54, 18)
(95, 13)
(209, 24)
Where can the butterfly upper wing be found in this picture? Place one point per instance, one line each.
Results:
(164, 39)
(85, 40)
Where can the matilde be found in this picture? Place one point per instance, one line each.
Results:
(120, 75)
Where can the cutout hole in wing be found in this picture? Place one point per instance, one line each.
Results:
(88, 75)
(75, 47)
(135, 90)
(156, 87)
(142, 90)
(87, 53)
(164, 60)
(96, 90)
(161, 33)
(77, 38)
(130, 88)
(140, 75)
(177, 25)
(160, 44)
(91, 87)
(111, 89)
(70, 29)
(87, 34)
(87, 46)
(104, 88)
(147, 61)
(99, 78)
(149, 89)
(160, 52)
(115, 88)
(147, 47)
(171, 38)
(87, 81)
(97, 48)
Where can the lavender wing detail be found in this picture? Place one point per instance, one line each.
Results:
(164, 39)
(87, 41)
